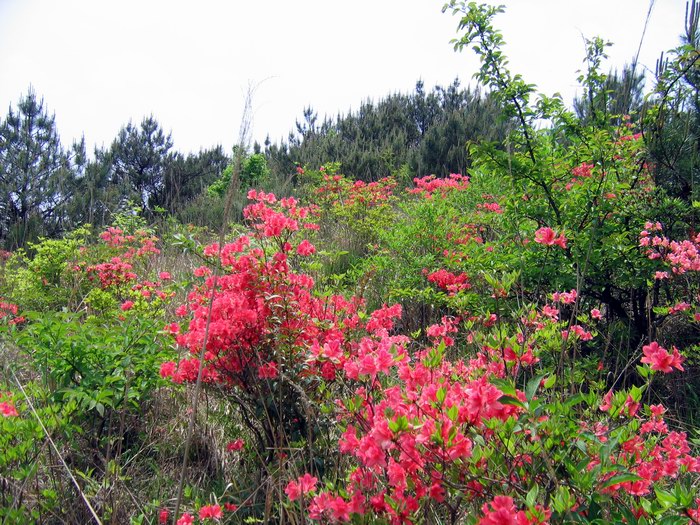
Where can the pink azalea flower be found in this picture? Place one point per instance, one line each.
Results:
(186, 519)
(211, 512)
(127, 305)
(306, 248)
(235, 445)
(659, 358)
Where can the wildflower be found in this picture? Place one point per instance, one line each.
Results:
(306, 248)
(303, 485)
(210, 512)
(607, 401)
(235, 445)
(185, 519)
(127, 305)
(167, 369)
(7, 408)
(548, 237)
(268, 371)
(659, 358)
(565, 297)
(501, 511)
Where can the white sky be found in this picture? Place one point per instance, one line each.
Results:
(100, 63)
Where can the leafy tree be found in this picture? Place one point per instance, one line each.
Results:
(254, 172)
(97, 198)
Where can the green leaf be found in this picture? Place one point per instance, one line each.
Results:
(531, 498)
(673, 520)
(453, 412)
(532, 386)
(562, 501)
(399, 424)
(510, 400)
(440, 394)
(643, 371)
(620, 478)
(666, 499)
(574, 400)
(550, 381)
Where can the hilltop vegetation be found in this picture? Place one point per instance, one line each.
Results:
(448, 307)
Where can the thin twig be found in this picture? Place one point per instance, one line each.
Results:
(53, 445)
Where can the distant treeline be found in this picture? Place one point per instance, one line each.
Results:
(47, 188)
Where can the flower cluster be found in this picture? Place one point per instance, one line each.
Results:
(263, 315)
(682, 256)
(659, 359)
(139, 244)
(412, 440)
(501, 510)
(111, 274)
(337, 190)
(451, 282)
(490, 204)
(7, 405)
(8, 312)
(428, 185)
(548, 237)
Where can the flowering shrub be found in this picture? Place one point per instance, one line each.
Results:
(428, 185)
(256, 322)
(458, 437)
(497, 347)
(352, 214)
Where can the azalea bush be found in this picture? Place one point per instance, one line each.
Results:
(457, 441)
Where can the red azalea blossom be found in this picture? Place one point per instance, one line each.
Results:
(7, 409)
(659, 358)
(210, 512)
(306, 248)
(548, 237)
(235, 445)
(303, 485)
(127, 305)
(268, 371)
(186, 519)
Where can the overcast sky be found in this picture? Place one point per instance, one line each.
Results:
(100, 63)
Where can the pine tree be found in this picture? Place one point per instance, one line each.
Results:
(35, 174)
(139, 157)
